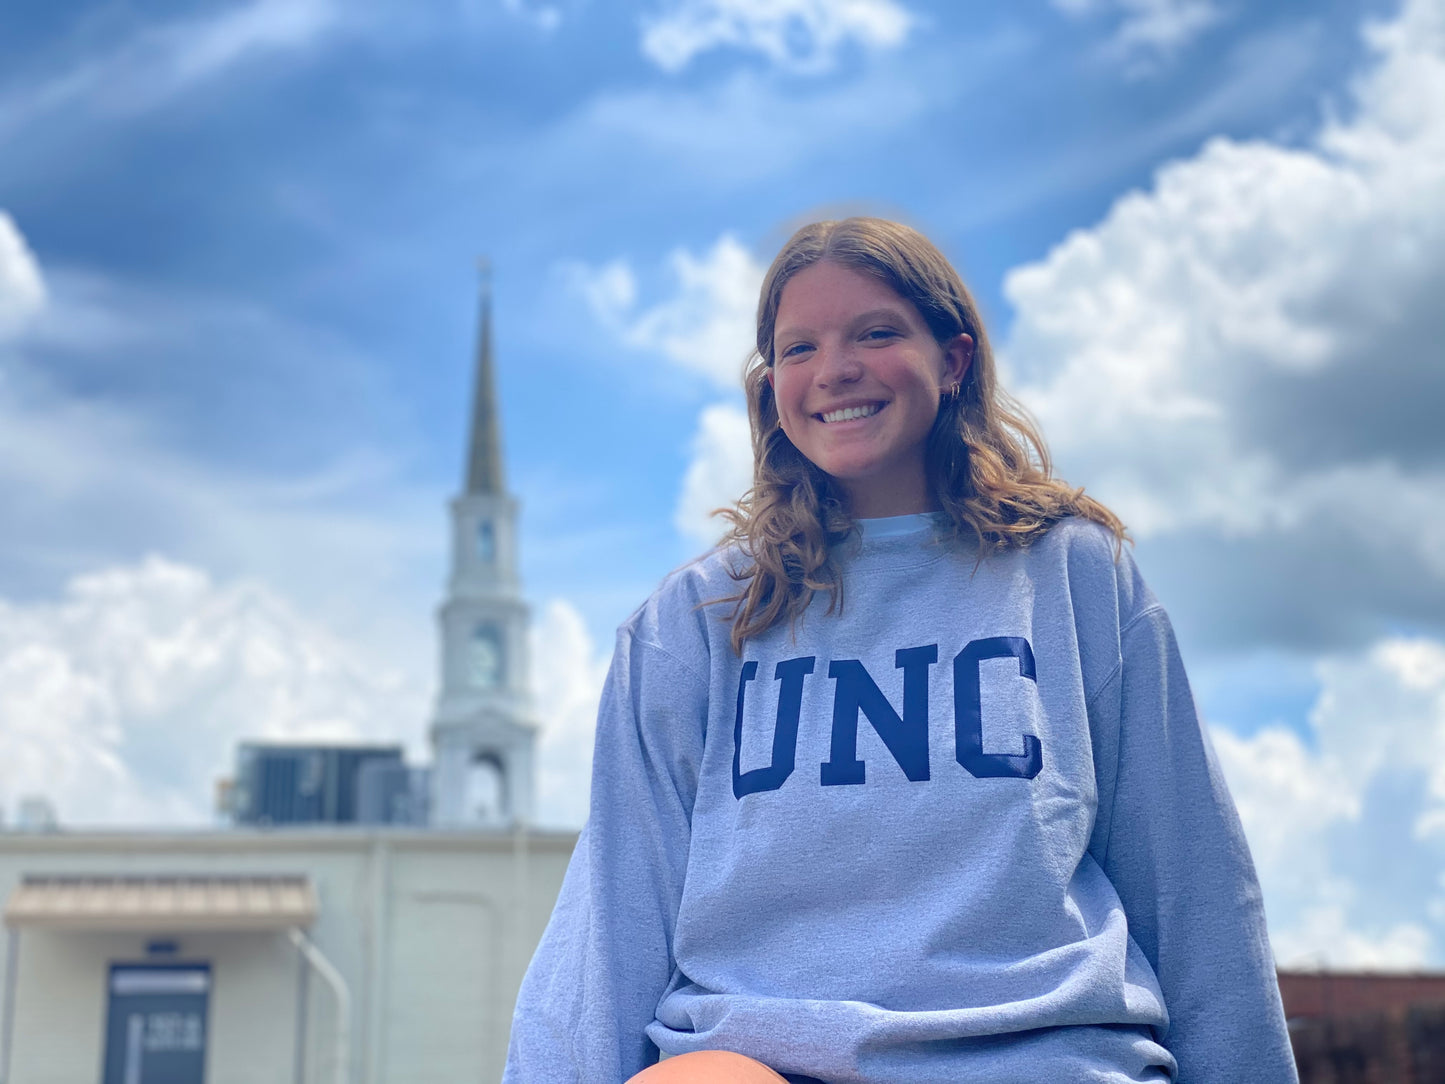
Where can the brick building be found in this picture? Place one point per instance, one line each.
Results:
(1366, 1028)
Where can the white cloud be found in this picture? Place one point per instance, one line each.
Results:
(567, 678)
(1251, 347)
(720, 471)
(1324, 939)
(800, 35)
(155, 64)
(22, 289)
(123, 700)
(1285, 792)
(1345, 828)
(1148, 30)
(201, 49)
(610, 290)
(705, 327)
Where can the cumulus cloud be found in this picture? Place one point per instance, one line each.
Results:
(719, 472)
(22, 289)
(568, 672)
(1148, 30)
(1250, 348)
(1348, 829)
(124, 699)
(799, 35)
(1250, 276)
(704, 327)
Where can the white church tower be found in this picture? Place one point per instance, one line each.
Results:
(483, 737)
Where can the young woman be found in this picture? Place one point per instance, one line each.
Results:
(904, 783)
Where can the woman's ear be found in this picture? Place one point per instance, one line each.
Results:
(957, 357)
(769, 375)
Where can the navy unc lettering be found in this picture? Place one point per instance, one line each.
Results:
(785, 731)
(856, 694)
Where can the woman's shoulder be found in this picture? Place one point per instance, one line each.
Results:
(1080, 538)
(1098, 567)
(687, 613)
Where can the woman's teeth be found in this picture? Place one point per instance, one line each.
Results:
(847, 414)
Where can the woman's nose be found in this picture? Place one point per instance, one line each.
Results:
(838, 365)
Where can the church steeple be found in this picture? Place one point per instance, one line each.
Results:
(483, 733)
(484, 456)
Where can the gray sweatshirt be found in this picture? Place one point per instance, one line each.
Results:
(967, 829)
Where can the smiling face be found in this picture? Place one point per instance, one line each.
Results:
(857, 376)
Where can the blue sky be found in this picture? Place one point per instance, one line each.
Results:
(237, 313)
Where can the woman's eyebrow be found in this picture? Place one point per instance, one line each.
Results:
(871, 315)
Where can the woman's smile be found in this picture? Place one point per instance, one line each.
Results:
(849, 413)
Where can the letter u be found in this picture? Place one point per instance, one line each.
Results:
(790, 672)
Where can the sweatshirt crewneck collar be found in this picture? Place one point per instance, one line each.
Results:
(892, 542)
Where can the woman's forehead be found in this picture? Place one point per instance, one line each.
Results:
(827, 293)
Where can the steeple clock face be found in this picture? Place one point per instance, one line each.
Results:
(484, 657)
(486, 542)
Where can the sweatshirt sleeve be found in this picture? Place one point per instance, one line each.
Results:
(606, 956)
(1169, 839)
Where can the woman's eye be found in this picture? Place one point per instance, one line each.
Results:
(879, 334)
(795, 350)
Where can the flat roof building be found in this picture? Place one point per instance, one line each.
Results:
(309, 956)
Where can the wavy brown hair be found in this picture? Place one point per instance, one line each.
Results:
(988, 467)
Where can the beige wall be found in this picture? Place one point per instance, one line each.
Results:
(431, 930)
(61, 1004)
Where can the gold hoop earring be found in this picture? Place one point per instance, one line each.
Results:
(954, 390)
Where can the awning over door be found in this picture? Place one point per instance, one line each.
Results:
(159, 904)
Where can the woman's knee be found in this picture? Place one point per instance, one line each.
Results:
(708, 1067)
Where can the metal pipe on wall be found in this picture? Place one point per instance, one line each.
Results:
(380, 947)
(7, 1024)
(303, 995)
(332, 978)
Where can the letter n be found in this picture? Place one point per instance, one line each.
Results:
(968, 711)
(785, 733)
(906, 738)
